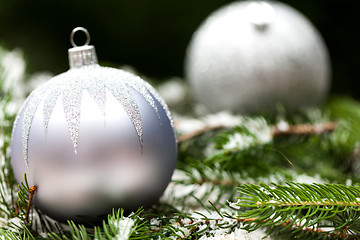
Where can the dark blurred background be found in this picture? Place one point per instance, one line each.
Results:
(152, 35)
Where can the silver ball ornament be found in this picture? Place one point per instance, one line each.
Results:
(250, 56)
(92, 139)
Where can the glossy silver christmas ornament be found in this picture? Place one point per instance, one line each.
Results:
(250, 56)
(92, 139)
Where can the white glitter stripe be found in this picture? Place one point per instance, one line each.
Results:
(96, 80)
(30, 109)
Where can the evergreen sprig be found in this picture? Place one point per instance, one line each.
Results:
(23, 198)
(212, 164)
(322, 210)
(117, 226)
(194, 224)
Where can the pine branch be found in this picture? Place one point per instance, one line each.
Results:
(321, 209)
(23, 200)
(117, 226)
(252, 151)
(9, 235)
(194, 224)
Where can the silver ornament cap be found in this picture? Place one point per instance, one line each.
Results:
(80, 56)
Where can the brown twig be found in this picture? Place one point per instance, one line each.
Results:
(32, 192)
(190, 135)
(311, 203)
(16, 208)
(298, 129)
(222, 182)
(304, 129)
(288, 224)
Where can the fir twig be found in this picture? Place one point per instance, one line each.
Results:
(242, 155)
(23, 197)
(117, 226)
(303, 208)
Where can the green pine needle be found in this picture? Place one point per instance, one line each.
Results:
(215, 169)
(319, 209)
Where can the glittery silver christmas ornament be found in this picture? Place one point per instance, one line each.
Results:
(251, 56)
(92, 139)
